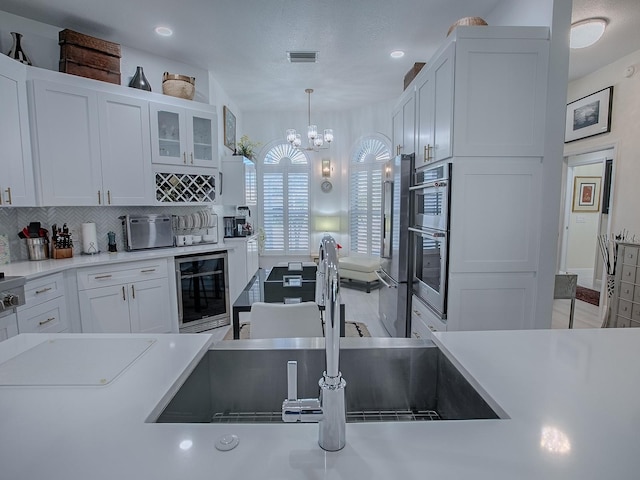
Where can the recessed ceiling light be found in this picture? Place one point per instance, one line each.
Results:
(397, 54)
(587, 32)
(164, 31)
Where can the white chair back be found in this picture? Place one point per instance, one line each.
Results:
(279, 320)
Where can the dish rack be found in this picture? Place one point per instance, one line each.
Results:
(203, 223)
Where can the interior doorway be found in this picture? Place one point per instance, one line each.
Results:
(585, 215)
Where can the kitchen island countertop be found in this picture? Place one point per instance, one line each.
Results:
(571, 398)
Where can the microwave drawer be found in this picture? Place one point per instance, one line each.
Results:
(107, 275)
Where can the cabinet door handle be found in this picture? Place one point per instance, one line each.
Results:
(427, 152)
(191, 158)
(44, 322)
(124, 299)
(133, 291)
(8, 190)
(148, 270)
(184, 157)
(100, 277)
(221, 181)
(109, 197)
(99, 198)
(38, 292)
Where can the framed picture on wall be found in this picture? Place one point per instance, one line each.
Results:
(229, 128)
(589, 116)
(586, 194)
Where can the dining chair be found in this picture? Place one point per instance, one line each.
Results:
(280, 320)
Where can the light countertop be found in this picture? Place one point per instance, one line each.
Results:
(34, 269)
(572, 398)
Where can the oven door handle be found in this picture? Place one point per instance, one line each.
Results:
(424, 186)
(382, 280)
(425, 233)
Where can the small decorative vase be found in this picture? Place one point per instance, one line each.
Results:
(140, 81)
(16, 51)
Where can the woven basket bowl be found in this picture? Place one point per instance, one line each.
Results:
(466, 21)
(180, 86)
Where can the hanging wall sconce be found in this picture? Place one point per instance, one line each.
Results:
(326, 168)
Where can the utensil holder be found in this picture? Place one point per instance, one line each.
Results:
(38, 248)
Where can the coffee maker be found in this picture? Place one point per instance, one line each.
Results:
(238, 226)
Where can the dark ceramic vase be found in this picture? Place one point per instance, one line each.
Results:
(16, 51)
(140, 81)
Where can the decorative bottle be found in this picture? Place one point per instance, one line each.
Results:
(140, 81)
(16, 51)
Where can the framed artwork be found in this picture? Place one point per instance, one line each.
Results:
(586, 194)
(229, 128)
(589, 116)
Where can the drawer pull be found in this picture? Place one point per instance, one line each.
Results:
(100, 277)
(148, 270)
(416, 334)
(38, 292)
(44, 322)
(417, 313)
(432, 328)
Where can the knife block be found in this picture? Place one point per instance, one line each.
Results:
(62, 253)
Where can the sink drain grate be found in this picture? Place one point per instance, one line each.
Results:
(352, 417)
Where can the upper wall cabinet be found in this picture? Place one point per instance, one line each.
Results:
(16, 176)
(483, 94)
(92, 147)
(184, 136)
(403, 123)
(239, 181)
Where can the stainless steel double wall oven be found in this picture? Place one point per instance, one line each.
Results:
(429, 235)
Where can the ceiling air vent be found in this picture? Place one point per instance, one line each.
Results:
(302, 57)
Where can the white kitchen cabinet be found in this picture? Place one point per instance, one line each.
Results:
(403, 123)
(45, 309)
(482, 95)
(67, 144)
(92, 147)
(423, 321)
(243, 263)
(434, 100)
(16, 180)
(48, 317)
(184, 136)
(125, 147)
(8, 326)
(239, 181)
(130, 297)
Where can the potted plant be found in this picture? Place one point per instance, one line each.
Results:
(246, 147)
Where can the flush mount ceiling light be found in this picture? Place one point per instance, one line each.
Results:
(316, 140)
(397, 54)
(164, 31)
(587, 32)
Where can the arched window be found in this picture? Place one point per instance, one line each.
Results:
(365, 195)
(284, 209)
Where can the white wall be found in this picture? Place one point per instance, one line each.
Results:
(624, 136)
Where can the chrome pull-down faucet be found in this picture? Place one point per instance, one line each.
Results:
(329, 410)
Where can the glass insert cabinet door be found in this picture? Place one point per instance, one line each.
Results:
(182, 136)
(202, 128)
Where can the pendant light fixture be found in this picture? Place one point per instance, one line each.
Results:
(316, 140)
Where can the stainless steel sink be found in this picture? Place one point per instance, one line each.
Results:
(245, 381)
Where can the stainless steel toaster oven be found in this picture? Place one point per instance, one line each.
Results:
(147, 231)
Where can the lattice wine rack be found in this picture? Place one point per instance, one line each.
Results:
(185, 188)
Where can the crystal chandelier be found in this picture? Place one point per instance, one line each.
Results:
(316, 140)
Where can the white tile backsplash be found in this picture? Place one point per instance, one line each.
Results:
(106, 219)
